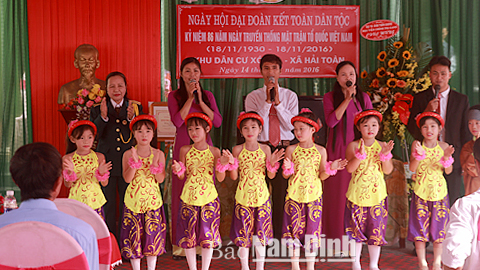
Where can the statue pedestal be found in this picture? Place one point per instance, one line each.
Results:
(68, 115)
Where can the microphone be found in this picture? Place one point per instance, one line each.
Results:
(437, 90)
(350, 83)
(195, 93)
(272, 91)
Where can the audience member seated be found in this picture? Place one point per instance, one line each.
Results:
(40, 246)
(36, 169)
(461, 247)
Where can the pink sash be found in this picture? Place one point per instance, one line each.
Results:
(77, 262)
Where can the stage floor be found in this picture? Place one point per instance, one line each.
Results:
(392, 258)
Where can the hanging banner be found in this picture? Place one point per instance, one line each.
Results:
(229, 40)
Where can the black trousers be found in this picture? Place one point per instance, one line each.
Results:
(455, 185)
(279, 191)
(113, 208)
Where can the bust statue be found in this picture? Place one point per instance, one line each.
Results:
(86, 60)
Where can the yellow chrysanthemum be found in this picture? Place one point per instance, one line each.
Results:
(393, 63)
(406, 55)
(392, 82)
(381, 56)
(79, 92)
(364, 74)
(403, 73)
(92, 95)
(398, 44)
(101, 93)
(381, 72)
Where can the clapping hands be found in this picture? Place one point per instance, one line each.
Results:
(227, 157)
(387, 147)
(417, 147)
(68, 165)
(276, 156)
(103, 167)
(339, 164)
(448, 152)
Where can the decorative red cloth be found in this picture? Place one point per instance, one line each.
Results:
(104, 249)
(116, 258)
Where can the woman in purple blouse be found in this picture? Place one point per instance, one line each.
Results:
(189, 97)
(340, 107)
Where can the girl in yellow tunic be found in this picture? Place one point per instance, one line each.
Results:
(143, 230)
(84, 169)
(366, 208)
(252, 213)
(429, 210)
(305, 166)
(199, 218)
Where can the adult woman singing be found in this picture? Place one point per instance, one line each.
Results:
(189, 97)
(340, 107)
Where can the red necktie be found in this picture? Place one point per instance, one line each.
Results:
(274, 129)
(117, 109)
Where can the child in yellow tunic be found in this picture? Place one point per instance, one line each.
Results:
(366, 209)
(143, 230)
(429, 209)
(252, 213)
(199, 218)
(84, 169)
(305, 166)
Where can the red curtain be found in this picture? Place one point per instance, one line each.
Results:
(127, 35)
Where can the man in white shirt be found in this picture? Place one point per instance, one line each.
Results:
(461, 247)
(36, 169)
(273, 102)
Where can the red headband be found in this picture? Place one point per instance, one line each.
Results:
(431, 114)
(367, 113)
(76, 123)
(201, 116)
(307, 121)
(244, 116)
(143, 117)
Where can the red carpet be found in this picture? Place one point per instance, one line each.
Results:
(391, 258)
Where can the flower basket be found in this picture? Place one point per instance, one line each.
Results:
(82, 103)
(401, 73)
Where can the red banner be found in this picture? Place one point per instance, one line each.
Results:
(229, 40)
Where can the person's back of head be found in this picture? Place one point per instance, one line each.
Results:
(35, 168)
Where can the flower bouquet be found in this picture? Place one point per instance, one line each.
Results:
(400, 74)
(84, 100)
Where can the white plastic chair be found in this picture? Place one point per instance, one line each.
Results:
(87, 214)
(39, 245)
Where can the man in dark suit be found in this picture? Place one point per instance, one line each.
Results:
(112, 118)
(453, 108)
